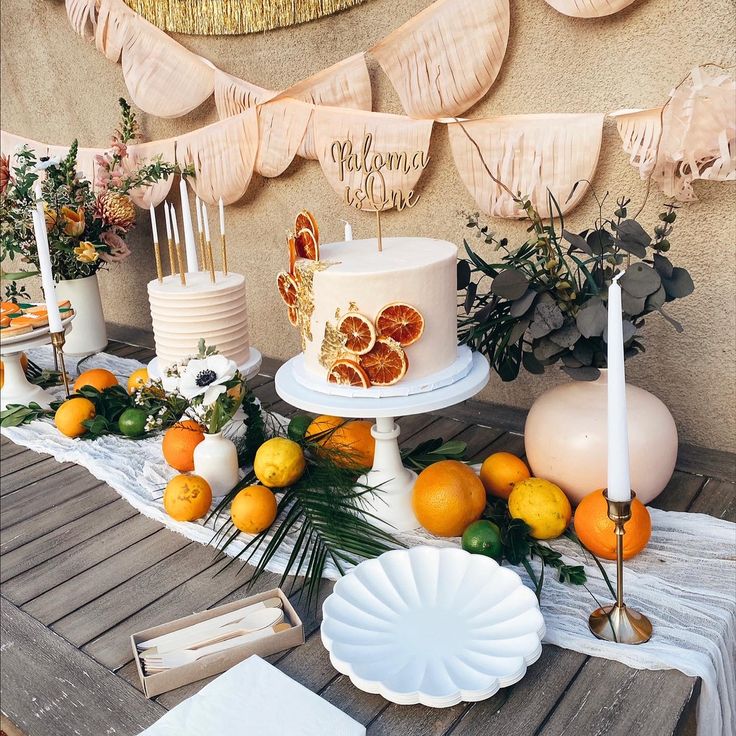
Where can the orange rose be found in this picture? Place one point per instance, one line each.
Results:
(73, 221)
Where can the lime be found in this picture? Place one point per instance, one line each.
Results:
(298, 427)
(132, 422)
(483, 538)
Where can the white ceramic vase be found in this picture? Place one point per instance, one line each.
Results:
(565, 438)
(216, 460)
(87, 333)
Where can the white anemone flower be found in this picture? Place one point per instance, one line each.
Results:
(46, 162)
(205, 377)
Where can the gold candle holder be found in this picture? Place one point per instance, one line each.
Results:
(203, 251)
(57, 341)
(619, 623)
(180, 259)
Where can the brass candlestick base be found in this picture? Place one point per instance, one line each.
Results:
(617, 622)
(57, 340)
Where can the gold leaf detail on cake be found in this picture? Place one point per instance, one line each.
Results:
(305, 298)
(353, 307)
(333, 346)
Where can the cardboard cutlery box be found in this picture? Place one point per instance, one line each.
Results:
(214, 664)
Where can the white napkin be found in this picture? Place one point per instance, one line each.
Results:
(254, 698)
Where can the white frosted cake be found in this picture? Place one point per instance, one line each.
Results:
(183, 314)
(370, 318)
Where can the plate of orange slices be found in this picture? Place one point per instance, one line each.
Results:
(19, 322)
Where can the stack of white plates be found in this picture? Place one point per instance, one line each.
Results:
(432, 625)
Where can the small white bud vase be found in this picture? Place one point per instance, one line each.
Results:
(216, 460)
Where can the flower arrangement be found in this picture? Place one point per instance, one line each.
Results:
(211, 385)
(545, 301)
(87, 221)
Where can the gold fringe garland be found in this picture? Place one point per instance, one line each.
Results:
(230, 17)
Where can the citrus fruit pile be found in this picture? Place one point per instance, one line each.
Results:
(376, 353)
(305, 244)
(446, 503)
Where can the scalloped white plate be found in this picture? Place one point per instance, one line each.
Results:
(432, 625)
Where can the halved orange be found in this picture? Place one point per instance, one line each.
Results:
(386, 363)
(293, 316)
(348, 373)
(306, 244)
(287, 288)
(401, 322)
(359, 332)
(305, 219)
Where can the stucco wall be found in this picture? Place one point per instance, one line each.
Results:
(55, 86)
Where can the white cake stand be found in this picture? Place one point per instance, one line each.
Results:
(249, 369)
(17, 389)
(391, 503)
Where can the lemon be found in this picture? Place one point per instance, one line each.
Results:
(542, 505)
(279, 463)
(137, 379)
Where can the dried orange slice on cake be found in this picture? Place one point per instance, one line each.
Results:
(360, 334)
(287, 288)
(386, 363)
(348, 373)
(293, 316)
(292, 253)
(305, 219)
(400, 322)
(307, 245)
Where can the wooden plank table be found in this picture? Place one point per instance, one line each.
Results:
(80, 570)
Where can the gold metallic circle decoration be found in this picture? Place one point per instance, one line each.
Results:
(230, 17)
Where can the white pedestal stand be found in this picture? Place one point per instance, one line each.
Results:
(249, 369)
(391, 503)
(16, 387)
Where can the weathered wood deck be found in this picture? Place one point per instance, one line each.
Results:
(80, 570)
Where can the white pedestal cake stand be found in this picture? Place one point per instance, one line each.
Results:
(392, 501)
(249, 369)
(16, 387)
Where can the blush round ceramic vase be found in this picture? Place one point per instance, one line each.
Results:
(565, 439)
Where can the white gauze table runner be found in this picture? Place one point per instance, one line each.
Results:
(683, 581)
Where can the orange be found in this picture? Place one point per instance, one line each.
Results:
(287, 288)
(501, 471)
(179, 443)
(359, 332)
(306, 245)
(401, 322)
(348, 443)
(448, 496)
(254, 509)
(306, 220)
(98, 378)
(23, 365)
(70, 415)
(137, 379)
(386, 363)
(187, 497)
(348, 373)
(596, 531)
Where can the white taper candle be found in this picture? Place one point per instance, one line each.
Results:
(44, 263)
(154, 227)
(174, 224)
(167, 220)
(186, 215)
(221, 207)
(348, 231)
(619, 485)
